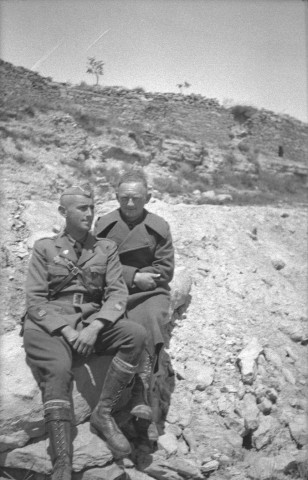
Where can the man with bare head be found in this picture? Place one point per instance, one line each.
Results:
(76, 299)
(146, 253)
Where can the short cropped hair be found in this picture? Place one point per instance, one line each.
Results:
(133, 175)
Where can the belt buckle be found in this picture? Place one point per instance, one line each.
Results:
(77, 299)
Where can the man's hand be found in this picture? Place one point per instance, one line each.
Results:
(84, 343)
(146, 280)
(69, 334)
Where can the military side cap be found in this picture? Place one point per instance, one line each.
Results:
(84, 190)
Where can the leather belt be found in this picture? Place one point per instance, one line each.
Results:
(75, 298)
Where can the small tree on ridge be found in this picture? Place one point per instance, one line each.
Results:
(95, 67)
(183, 85)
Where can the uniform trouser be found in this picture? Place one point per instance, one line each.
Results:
(51, 358)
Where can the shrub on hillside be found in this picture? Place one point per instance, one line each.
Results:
(229, 158)
(89, 121)
(139, 90)
(42, 105)
(29, 110)
(25, 157)
(193, 181)
(18, 152)
(280, 183)
(244, 146)
(168, 185)
(90, 88)
(237, 180)
(241, 113)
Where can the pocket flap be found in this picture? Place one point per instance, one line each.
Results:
(57, 270)
(98, 269)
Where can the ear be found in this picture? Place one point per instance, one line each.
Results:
(148, 197)
(62, 210)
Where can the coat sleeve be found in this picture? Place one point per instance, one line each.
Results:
(129, 274)
(163, 262)
(39, 309)
(101, 228)
(116, 293)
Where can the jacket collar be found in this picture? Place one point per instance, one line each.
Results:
(127, 240)
(151, 220)
(88, 249)
(67, 248)
(133, 239)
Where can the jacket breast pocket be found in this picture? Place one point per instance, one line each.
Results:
(94, 275)
(56, 273)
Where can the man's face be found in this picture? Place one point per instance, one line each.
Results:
(79, 212)
(132, 197)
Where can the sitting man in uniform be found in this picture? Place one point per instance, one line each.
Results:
(76, 299)
(146, 253)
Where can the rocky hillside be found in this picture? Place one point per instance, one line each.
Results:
(230, 395)
(192, 148)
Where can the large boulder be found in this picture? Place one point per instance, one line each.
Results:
(89, 451)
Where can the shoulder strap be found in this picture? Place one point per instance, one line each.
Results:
(74, 271)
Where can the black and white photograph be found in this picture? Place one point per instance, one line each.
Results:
(154, 193)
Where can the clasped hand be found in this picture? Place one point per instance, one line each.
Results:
(146, 280)
(83, 342)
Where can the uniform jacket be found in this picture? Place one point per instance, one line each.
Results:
(145, 248)
(101, 282)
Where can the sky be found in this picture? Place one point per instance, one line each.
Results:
(251, 52)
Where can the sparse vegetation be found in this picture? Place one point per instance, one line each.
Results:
(96, 68)
(244, 146)
(229, 158)
(242, 113)
(87, 120)
(183, 85)
(168, 185)
(153, 131)
(184, 181)
(139, 90)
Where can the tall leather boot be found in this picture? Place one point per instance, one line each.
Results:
(140, 392)
(141, 408)
(118, 376)
(58, 422)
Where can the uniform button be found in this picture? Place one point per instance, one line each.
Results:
(42, 313)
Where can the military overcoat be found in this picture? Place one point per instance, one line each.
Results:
(146, 248)
(99, 283)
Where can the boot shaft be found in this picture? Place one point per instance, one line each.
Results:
(58, 422)
(140, 401)
(118, 377)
